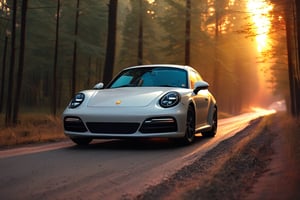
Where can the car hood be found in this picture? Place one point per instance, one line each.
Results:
(126, 97)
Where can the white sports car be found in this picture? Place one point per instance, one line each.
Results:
(147, 101)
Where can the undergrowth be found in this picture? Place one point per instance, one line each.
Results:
(32, 128)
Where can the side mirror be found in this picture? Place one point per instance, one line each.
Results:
(200, 85)
(98, 86)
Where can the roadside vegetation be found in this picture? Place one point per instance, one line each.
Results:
(32, 128)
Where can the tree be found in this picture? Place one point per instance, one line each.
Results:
(74, 65)
(187, 32)
(297, 76)
(141, 34)
(292, 14)
(10, 85)
(175, 31)
(129, 30)
(3, 73)
(18, 88)
(54, 81)
(111, 41)
(140, 22)
(4, 12)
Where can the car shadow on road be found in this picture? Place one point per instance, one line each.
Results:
(136, 144)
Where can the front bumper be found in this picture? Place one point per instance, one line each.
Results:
(125, 123)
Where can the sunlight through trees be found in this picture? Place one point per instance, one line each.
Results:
(238, 46)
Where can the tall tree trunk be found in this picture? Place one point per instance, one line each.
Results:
(54, 81)
(293, 59)
(3, 74)
(187, 32)
(141, 35)
(74, 66)
(10, 86)
(88, 81)
(111, 41)
(290, 39)
(298, 57)
(18, 88)
(215, 82)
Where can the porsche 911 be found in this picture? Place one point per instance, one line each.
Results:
(146, 101)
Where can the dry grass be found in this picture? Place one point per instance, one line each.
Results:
(32, 128)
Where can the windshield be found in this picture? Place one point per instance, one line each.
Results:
(151, 77)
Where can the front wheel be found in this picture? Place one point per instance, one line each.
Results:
(81, 141)
(189, 135)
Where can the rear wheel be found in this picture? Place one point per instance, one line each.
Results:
(212, 132)
(81, 141)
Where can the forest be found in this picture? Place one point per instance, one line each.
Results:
(51, 49)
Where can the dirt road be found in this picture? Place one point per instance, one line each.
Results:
(120, 169)
(259, 163)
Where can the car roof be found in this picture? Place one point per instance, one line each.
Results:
(185, 67)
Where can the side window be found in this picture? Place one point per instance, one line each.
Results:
(194, 77)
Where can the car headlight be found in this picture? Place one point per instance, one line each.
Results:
(77, 100)
(170, 99)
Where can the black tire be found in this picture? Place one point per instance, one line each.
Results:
(81, 141)
(213, 131)
(189, 136)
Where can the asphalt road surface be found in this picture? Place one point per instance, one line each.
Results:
(106, 169)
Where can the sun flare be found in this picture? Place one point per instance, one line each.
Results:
(260, 14)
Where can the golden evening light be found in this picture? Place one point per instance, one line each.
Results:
(231, 2)
(260, 15)
(3, 6)
(151, 1)
(263, 111)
